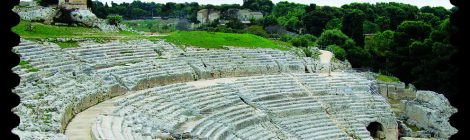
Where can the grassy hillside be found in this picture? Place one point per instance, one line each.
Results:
(218, 40)
(152, 25)
(201, 39)
(40, 30)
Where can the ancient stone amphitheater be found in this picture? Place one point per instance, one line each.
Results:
(166, 92)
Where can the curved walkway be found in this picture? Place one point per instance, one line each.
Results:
(80, 126)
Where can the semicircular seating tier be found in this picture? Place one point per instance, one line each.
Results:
(276, 102)
(281, 106)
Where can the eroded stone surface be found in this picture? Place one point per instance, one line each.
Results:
(431, 111)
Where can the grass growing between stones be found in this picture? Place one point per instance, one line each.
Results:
(386, 78)
(217, 40)
(25, 65)
(68, 44)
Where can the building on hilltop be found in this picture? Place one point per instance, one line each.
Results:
(73, 4)
(245, 16)
(207, 15)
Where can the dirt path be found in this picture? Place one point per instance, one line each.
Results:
(325, 56)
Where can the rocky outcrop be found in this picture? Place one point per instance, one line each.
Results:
(430, 111)
(84, 17)
(87, 18)
(42, 14)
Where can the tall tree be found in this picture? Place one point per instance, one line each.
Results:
(353, 25)
(263, 6)
(316, 20)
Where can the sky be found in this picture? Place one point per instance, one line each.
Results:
(337, 3)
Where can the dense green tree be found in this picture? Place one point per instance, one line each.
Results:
(370, 27)
(414, 30)
(264, 6)
(315, 21)
(114, 19)
(379, 46)
(333, 37)
(440, 11)
(380, 43)
(383, 22)
(269, 20)
(289, 15)
(334, 24)
(429, 18)
(353, 25)
(366, 8)
(358, 57)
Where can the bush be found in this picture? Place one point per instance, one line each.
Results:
(257, 30)
(309, 37)
(234, 23)
(339, 52)
(300, 42)
(114, 19)
(286, 37)
(332, 37)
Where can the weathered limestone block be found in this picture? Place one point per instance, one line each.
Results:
(431, 111)
(85, 16)
(45, 14)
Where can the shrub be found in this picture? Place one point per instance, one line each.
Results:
(339, 52)
(257, 30)
(286, 37)
(332, 37)
(114, 19)
(234, 23)
(299, 42)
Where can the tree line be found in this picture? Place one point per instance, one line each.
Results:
(392, 38)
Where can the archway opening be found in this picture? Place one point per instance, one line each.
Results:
(376, 130)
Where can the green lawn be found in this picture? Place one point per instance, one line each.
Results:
(40, 30)
(205, 39)
(387, 78)
(201, 39)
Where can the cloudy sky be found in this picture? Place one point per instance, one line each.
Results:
(419, 3)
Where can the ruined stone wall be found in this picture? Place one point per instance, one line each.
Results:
(397, 90)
